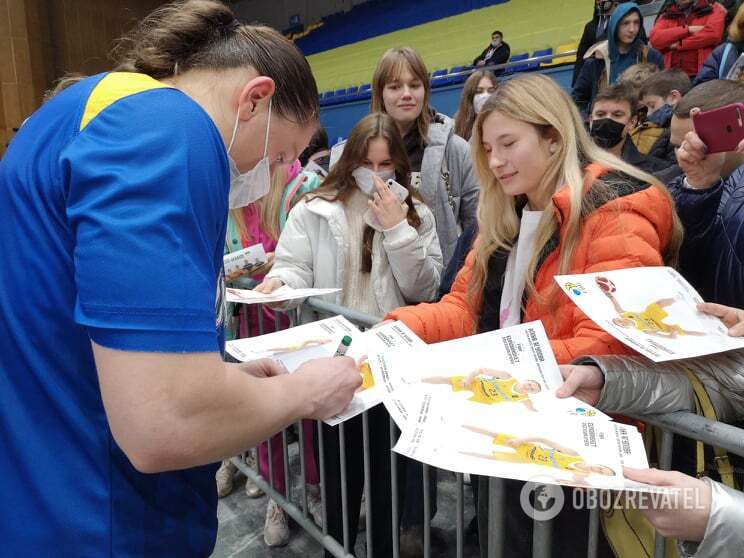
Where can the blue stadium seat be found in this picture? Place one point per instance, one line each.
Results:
(519, 67)
(340, 92)
(462, 75)
(438, 77)
(541, 52)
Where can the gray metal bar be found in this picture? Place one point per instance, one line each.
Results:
(427, 508)
(394, 490)
(285, 458)
(496, 517)
(665, 463)
(724, 436)
(351, 315)
(344, 489)
(593, 544)
(321, 465)
(460, 515)
(542, 538)
(303, 482)
(328, 542)
(271, 461)
(367, 483)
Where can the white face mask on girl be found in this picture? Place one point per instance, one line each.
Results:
(365, 178)
(479, 100)
(254, 184)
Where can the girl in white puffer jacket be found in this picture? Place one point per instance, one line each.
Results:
(354, 233)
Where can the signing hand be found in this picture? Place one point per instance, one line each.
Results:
(386, 207)
(262, 368)
(328, 384)
(703, 170)
(687, 518)
(732, 318)
(583, 382)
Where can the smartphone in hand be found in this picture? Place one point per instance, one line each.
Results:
(721, 129)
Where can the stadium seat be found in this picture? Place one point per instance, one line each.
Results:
(438, 77)
(563, 59)
(519, 67)
(461, 74)
(541, 52)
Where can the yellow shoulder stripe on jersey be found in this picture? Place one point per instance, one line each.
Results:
(113, 87)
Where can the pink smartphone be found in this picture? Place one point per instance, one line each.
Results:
(720, 129)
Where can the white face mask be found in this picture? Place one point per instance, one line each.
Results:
(254, 184)
(479, 100)
(365, 178)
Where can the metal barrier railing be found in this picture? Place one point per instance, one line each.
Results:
(690, 425)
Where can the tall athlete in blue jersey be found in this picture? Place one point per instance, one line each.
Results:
(114, 400)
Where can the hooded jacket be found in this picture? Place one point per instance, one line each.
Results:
(604, 63)
(672, 27)
(629, 231)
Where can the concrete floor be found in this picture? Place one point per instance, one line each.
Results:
(241, 522)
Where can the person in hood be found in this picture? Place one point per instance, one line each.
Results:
(497, 52)
(614, 115)
(606, 61)
(687, 31)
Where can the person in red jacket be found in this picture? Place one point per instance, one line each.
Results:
(687, 31)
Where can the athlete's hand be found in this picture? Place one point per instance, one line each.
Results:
(262, 368)
(328, 384)
(581, 381)
(684, 514)
(732, 318)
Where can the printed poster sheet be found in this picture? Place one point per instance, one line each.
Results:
(246, 296)
(387, 338)
(650, 309)
(294, 346)
(497, 374)
(246, 259)
(560, 449)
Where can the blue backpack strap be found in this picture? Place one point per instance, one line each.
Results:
(722, 66)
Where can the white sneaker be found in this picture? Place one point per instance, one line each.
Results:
(224, 477)
(314, 505)
(276, 528)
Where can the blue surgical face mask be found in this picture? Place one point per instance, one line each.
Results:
(247, 187)
(661, 115)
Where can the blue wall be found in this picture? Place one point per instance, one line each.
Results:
(338, 120)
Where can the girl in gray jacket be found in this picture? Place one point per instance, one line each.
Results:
(637, 386)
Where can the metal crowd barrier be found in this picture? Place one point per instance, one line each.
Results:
(690, 425)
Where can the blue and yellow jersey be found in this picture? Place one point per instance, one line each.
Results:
(114, 200)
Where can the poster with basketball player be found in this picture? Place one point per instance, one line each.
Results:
(498, 374)
(557, 449)
(296, 345)
(651, 309)
(387, 338)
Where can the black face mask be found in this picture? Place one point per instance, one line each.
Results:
(606, 132)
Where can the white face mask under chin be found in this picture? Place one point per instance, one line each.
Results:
(479, 100)
(365, 178)
(254, 184)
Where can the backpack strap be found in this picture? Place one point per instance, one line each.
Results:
(704, 407)
(722, 65)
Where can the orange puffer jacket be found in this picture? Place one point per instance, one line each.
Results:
(632, 230)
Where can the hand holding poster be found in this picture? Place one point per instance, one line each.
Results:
(246, 296)
(651, 309)
(294, 346)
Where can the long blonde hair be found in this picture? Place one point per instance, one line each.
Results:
(268, 208)
(539, 101)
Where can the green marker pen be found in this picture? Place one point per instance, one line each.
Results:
(343, 346)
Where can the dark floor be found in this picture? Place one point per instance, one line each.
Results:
(241, 522)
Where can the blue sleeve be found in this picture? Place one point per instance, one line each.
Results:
(582, 91)
(462, 248)
(147, 186)
(697, 210)
(709, 69)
